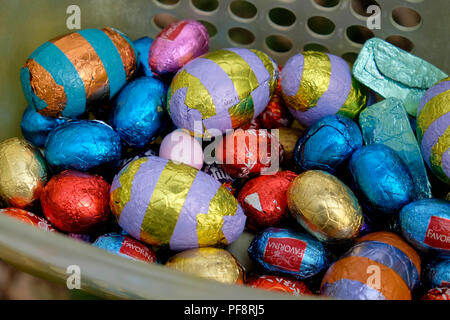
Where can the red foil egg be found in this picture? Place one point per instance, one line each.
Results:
(264, 199)
(76, 202)
(254, 124)
(28, 217)
(280, 284)
(441, 293)
(245, 153)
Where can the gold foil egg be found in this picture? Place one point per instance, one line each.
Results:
(23, 173)
(325, 206)
(209, 263)
(288, 138)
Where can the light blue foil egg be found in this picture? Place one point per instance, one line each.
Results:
(82, 145)
(426, 225)
(327, 144)
(139, 111)
(289, 252)
(437, 273)
(142, 46)
(381, 178)
(36, 127)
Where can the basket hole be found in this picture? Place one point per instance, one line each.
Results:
(243, 9)
(206, 5)
(168, 2)
(327, 3)
(279, 43)
(212, 30)
(350, 57)
(241, 36)
(321, 26)
(282, 17)
(401, 42)
(162, 20)
(315, 47)
(360, 7)
(359, 34)
(406, 18)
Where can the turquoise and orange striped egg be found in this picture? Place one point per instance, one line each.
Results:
(316, 84)
(66, 75)
(168, 204)
(380, 266)
(222, 90)
(433, 129)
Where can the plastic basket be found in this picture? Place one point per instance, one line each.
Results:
(279, 27)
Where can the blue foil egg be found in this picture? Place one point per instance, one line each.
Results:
(327, 143)
(426, 225)
(142, 46)
(36, 127)
(82, 145)
(381, 178)
(288, 252)
(139, 111)
(437, 273)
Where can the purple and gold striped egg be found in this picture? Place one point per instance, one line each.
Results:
(433, 129)
(222, 90)
(65, 75)
(174, 205)
(316, 84)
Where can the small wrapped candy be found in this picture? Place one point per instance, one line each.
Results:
(382, 178)
(437, 272)
(28, 217)
(180, 146)
(280, 284)
(176, 45)
(442, 293)
(426, 225)
(433, 129)
(325, 206)
(395, 73)
(139, 111)
(387, 123)
(264, 199)
(76, 202)
(142, 46)
(288, 252)
(209, 263)
(82, 145)
(327, 143)
(316, 84)
(125, 246)
(224, 178)
(36, 127)
(23, 173)
(380, 266)
(66, 75)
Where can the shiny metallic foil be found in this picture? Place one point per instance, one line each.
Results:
(288, 252)
(325, 206)
(327, 144)
(76, 202)
(209, 263)
(437, 272)
(28, 217)
(440, 293)
(280, 284)
(288, 139)
(23, 173)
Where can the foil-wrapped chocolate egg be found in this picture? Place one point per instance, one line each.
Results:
(325, 206)
(382, 178)
(140, 111)
(441, 293)
(69, 73)
(380, 266)
(280, 284)
(23, 173)
(125, 246)
(209, 263)
(288, 252)
(180, 146)
(288, 138)
(426, 225)
(75, 201)
(164, 203)
(437, 272)
(82, 145)
(327, 143)
(244, 153)
(264, 199)
(316, 84)
(433, 129)
(221, 90)
(142, 46)
(28, 217)
(176, 45)
(36, 127)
